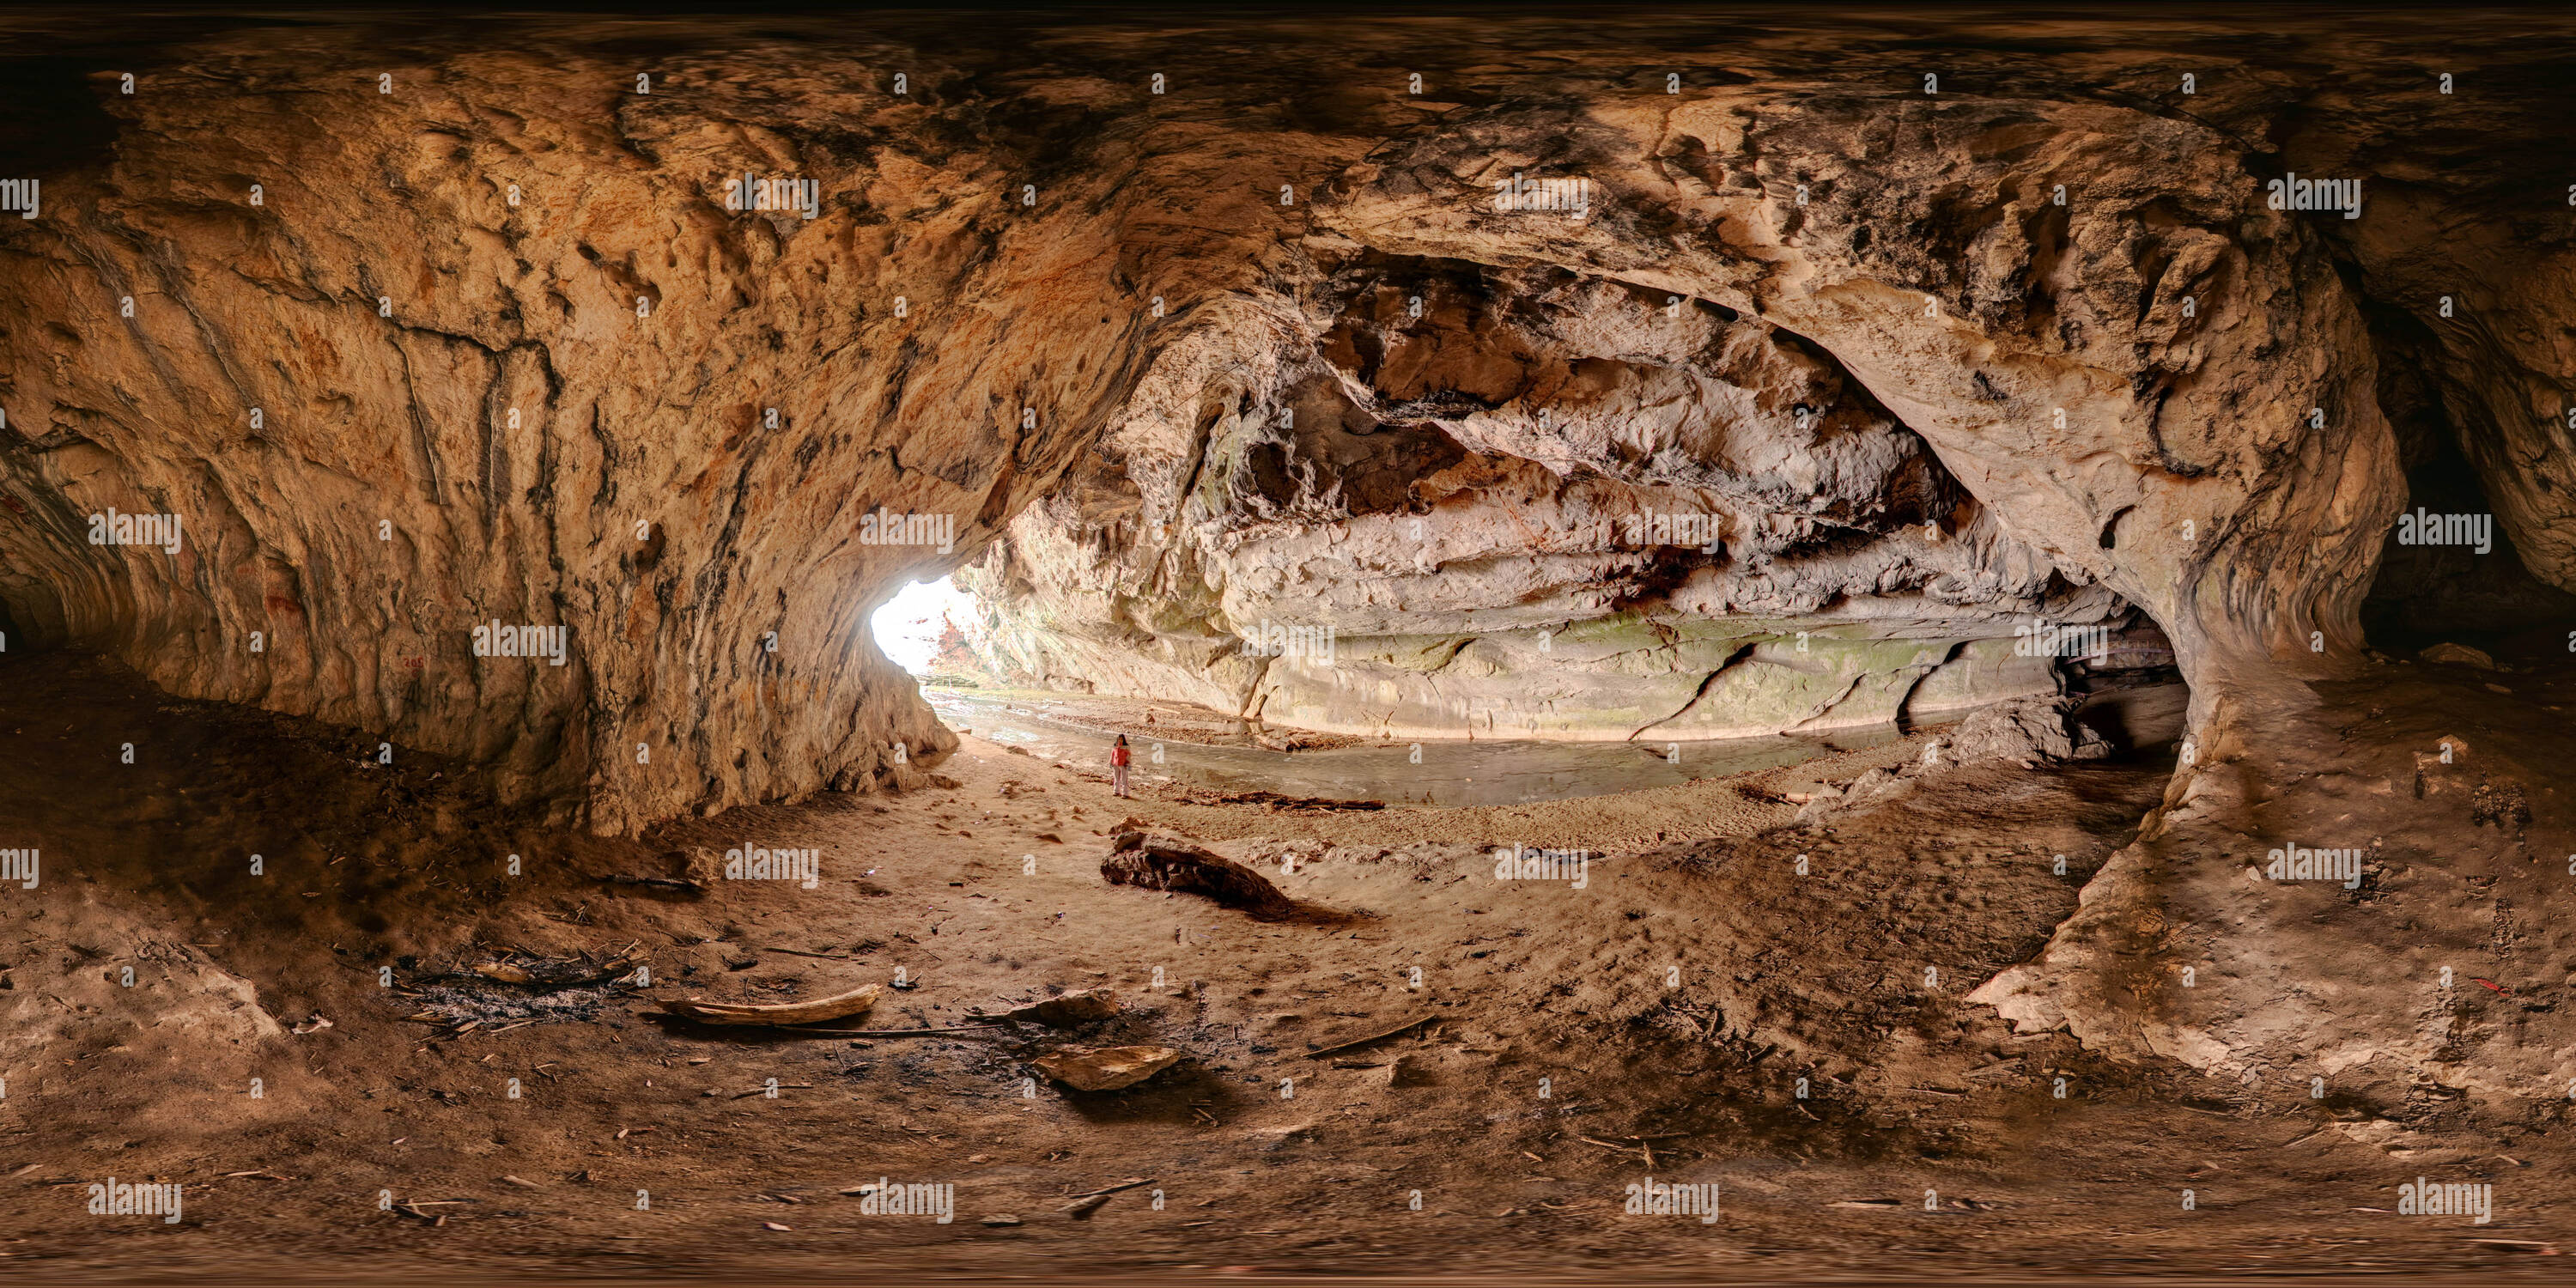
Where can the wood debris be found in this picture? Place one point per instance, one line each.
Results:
(837, 1006)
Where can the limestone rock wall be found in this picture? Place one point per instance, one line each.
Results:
(1446, 538)
(491, 347)
(1901, 366)
(2124, 364)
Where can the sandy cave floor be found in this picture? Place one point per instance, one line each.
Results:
(1778, 977)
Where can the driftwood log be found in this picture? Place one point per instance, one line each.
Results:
(835, 1007)
(1163, 863)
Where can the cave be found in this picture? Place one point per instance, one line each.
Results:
(1110, 643)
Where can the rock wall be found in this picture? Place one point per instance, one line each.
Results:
(491, 347)
(1897, 362)
(1460, 500)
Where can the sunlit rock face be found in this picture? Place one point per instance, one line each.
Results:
(2138, 384)
(1524, 503)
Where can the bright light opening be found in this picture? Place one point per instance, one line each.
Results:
(909, 626)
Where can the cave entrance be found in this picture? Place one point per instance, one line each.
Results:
(2447, 571)
(2449, 574)
(923, 628)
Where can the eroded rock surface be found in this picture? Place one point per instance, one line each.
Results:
(1475, 502)
(1855, 340)
(1817, 356)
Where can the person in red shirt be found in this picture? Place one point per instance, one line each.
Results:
(1118, 765)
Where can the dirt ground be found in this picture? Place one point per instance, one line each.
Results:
(1655, 1021)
